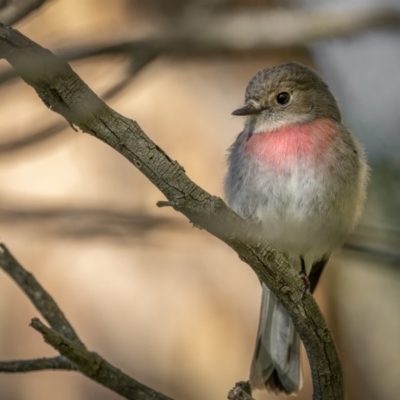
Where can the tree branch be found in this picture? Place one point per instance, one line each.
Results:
(38, 364)
(96, 368)
(43, 302)
(74, 355)
(65, 93)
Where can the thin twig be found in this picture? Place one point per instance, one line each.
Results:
(74, 355)
(38, 364)
(43, 302)
(96, 367)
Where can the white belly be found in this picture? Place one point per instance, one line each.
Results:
(301, 212)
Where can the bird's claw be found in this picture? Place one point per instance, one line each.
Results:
(306, 281)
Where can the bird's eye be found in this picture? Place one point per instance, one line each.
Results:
(283, 98)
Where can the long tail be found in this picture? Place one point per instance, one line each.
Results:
(276, 363)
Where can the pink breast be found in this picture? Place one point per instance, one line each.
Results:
(308, 142)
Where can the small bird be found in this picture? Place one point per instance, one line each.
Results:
(300, 174)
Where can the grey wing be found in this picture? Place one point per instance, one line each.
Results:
(235, 175)
(240, 191)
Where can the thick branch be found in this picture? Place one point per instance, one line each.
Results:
(65, 93)
(38, 364)
(96, 368)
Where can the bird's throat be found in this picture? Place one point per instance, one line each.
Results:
(291, 143)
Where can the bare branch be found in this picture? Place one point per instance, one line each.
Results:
(96, 368)
(43, 302)
(38, 364)
(74, 355)
(15, 10)
(65, 93)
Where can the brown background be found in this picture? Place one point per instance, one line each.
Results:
(168, 304)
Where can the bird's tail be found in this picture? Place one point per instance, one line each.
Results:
(276, 363)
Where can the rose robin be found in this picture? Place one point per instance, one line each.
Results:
(297, 171)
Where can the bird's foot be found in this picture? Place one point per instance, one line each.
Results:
(306, 281)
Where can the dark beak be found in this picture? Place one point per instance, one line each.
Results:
(246, 110)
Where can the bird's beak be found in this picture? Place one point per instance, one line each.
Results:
(246, 110)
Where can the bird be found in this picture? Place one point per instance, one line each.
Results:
(302, 176)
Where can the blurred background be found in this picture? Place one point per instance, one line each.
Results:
(168, 304)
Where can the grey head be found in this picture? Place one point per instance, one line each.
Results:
(287, 94)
